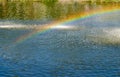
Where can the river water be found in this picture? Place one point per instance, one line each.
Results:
(91, 50)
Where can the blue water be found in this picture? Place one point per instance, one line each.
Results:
(87, 52)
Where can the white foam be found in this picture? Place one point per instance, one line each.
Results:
(17, 26)
(115, 32)
(106, 36)
(62, 27)
(11, 26)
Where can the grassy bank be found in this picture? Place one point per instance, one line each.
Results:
(65, 0)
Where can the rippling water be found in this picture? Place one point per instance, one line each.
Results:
(91, 50)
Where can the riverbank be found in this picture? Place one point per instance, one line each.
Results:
(64, 0)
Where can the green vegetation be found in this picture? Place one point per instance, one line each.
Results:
(67, 0)
(46, 9)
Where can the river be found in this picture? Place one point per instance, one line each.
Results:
(88, 47)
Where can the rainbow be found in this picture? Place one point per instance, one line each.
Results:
(70, 18)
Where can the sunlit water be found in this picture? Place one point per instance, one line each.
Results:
(83, 48)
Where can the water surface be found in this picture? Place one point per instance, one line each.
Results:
(92, 50)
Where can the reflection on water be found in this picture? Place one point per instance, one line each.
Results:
(82, 48)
